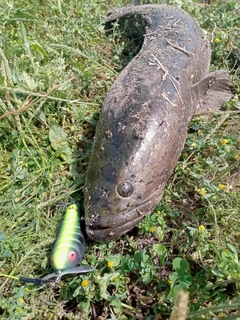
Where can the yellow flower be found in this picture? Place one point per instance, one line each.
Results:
(159, 212)
(217, 40)
(224, 141)
(222, 187)
(203, 191)
(110, 264)
(237, 156)
(21, 300)
(222, 315)
(84, 283)
(201, 228)
(116, 279)
(193, 145)
(152, 229)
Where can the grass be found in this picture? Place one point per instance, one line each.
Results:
(57, 64)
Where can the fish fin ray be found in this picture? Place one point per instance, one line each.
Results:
(213, 91)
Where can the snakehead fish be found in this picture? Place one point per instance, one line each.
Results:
(144, 120)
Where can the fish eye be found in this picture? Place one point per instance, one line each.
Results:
(125, 189)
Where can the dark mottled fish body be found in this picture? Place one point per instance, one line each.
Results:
(143, 123)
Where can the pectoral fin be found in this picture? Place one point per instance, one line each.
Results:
(213, 91)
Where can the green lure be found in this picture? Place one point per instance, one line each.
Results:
(68, 250)
(70, 245)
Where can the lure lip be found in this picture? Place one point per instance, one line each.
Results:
(57, 275)
(60, 273)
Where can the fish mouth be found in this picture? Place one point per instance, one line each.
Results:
(111, 233)
(108, 228)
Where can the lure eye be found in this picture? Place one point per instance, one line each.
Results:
(125, 189)
(72, 256)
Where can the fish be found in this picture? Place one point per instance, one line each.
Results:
(144, 120)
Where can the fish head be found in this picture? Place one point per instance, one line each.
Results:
(123, 182)
(113, 211)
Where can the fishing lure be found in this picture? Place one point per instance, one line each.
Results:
(70, 245)
(68, 250)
